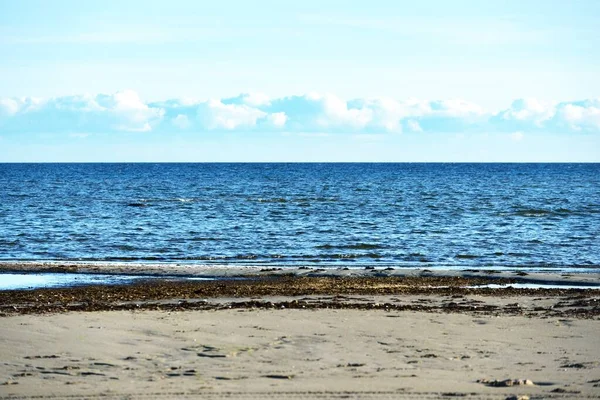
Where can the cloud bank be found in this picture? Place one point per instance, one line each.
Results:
(125, 111)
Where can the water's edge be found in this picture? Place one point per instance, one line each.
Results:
(102, 273)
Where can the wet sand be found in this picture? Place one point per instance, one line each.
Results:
(574, 276)
(299, 337)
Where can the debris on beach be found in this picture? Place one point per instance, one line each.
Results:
(506, 382)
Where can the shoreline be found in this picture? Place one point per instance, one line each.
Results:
(576, 276)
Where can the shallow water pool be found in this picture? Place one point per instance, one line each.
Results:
(536, 286)
(19, 281)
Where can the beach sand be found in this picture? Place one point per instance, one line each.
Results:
(299, 339)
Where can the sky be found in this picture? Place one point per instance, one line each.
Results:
(390, 81)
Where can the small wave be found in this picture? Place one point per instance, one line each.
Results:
(535, 241)
(563, 211)
(303, 201)
(466, 256)
(316, 199)
(245, 257)
(532, 212)
(575, 237)
(540, 212)
(124, 247)
(350, 256)
(514, 254)
(416, 257)
(137, 205)
(356, 246)
(148, 202)
(9, 243)
(126, 259)
(273, 200)
(298, 257)
(205, 239)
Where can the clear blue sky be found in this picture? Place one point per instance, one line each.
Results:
(300, 81)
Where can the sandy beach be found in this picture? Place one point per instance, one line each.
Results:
(300, 338)
(252, 353)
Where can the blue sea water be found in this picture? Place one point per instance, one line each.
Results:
(329, 215)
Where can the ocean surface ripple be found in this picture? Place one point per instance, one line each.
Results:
(401, 215)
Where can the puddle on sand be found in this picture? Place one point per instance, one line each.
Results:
(533, 286)
(54, 280)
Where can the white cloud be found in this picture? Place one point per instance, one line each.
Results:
(536, 115)
(530, 110)
(385, 113)
(580, 116)
(9, 106)
(216, 115)
(309, 113)
(316, 112)
(335, 113)
(131, 113)
(122, 111)
(278, 119)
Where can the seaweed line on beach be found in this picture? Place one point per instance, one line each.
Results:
(439, 294)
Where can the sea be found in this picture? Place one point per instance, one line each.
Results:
(327, 215)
